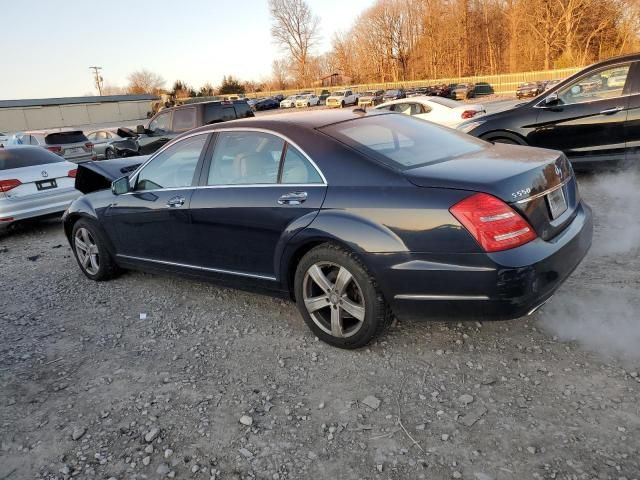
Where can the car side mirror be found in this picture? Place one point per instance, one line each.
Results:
(552, 100)
(140, 129)
(120, 186)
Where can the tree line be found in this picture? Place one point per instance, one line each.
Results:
(396, 40)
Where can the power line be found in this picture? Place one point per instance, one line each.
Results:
(97, 78)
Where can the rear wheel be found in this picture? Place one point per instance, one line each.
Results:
(342, 104)
(338, 299)
(90, 250)
(110, 153)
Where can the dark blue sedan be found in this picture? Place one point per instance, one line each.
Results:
(357, 216)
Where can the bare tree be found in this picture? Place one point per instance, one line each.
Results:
(144, 81)
(280, 73)
(295, 28)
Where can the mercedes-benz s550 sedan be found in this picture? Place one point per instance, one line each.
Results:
(357, 216)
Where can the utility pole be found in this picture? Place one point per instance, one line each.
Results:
(97, 78)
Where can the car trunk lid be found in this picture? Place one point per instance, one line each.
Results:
(537, 183)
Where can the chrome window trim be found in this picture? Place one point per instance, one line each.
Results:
(242, 185)
(439, 297)
(629, 62)
(324, 183)
(198, 267)
(546, 192)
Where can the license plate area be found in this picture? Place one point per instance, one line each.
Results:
(557, 203)
(74, 150)
(46, 184)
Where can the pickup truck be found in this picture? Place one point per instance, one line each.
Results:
(342, 98)
(171, 122)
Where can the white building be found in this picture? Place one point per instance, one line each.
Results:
(46, 113)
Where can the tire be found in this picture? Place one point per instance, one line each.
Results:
(110, 153)
(308, 104)
(323, 307)
(101, 266)
(342, 104)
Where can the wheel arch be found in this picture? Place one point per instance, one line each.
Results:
(497, 134)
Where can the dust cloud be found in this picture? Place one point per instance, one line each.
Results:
(599, 307)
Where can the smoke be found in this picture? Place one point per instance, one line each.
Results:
(599, 307)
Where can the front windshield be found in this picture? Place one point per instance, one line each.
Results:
(370, 93)
(338, 94)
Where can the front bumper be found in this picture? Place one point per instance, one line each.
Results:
(500, 285)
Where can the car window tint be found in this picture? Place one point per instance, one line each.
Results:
(184, 119)
(228, 113)
(601, 85)
(92, 136)
(162, 123)
(297, 169)
(173, 167)
(21, 157)
(401, 141)
(33, 140)
(245, 158)
(212, 113)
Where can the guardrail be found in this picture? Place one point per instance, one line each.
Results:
(485, 84)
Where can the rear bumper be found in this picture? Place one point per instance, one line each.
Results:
(500, 285)
(36, 205)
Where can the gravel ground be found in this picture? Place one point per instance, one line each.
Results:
(152, 377)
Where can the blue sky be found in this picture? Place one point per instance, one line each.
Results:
(48, 45)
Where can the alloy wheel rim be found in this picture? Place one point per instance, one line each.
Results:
(87, 251)
(333, 299)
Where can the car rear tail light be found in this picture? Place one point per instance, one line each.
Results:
(72, 173)
(6, 219)
(6, 185)
(469, 113)
(88, 145)
(56, 150)
(493, 223)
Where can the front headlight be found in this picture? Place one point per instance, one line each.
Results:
(468, 126)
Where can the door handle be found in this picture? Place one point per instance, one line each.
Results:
(175, 202)
(292, 198)
(611, 111)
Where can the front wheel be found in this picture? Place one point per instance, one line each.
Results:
(342, 104)
(90, 250)
(339, 299)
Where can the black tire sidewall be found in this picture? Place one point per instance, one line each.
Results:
(106, 267)
(375, 307)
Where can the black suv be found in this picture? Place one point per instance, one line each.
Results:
(171, 122)
(593, 116)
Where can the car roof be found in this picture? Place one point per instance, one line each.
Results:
(305, 120)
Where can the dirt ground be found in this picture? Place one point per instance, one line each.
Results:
(218, 383)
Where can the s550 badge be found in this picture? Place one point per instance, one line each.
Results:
(521, 193)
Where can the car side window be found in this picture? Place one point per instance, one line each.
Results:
(92, 136)
(33, 140)
(161, 124)
(297, 169)
(242, 158)
(228, 113)
(174, 167)
(600, 85)
(184, 119)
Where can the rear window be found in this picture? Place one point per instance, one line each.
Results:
(401, 141)
(61, 138)
(447, 102)
(26, 157)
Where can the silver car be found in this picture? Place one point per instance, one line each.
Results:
(4, 138)
(72, 145)
(103, 143)
(34, 182)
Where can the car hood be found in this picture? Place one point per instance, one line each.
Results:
(98, 175)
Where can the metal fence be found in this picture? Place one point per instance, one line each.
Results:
(485, 84)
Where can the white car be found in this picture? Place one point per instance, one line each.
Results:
(4, 138)
(34, 182)
(442, 111)
(289, 102)
(342, 98)
(309, 100)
